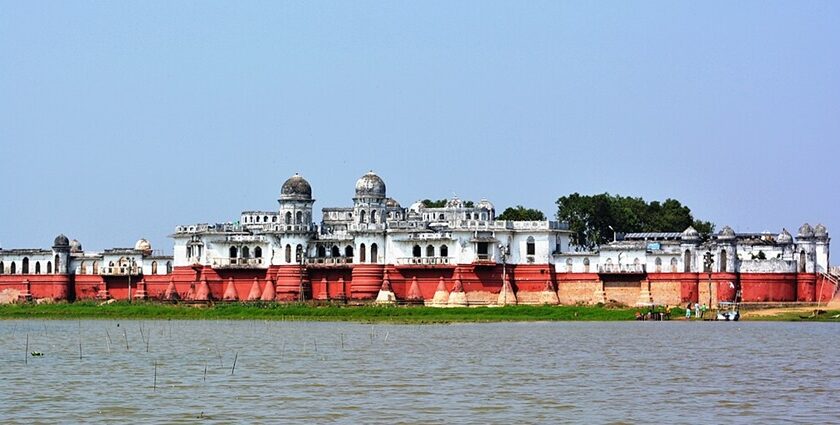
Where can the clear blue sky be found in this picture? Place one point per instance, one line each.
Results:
(122, 119)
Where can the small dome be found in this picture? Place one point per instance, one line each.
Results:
(61, 241)
(805, 231)
(143, 245)
(690, 234)
(820, 231)
(416, 207)
(726, 233)
(455, 203)
(370, 186)
(75, 246)
(485, 205)
(784, 238)
(296, 188)
(392, 203)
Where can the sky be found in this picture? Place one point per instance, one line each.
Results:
(121, 120)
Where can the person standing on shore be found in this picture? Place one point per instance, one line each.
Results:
(688, 311)
(697, 310)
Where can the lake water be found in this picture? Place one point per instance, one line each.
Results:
(617, 372)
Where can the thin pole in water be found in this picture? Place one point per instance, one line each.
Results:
(205, 371)
(154, 385)
(125, 335)
(26, 351)
(234, 362)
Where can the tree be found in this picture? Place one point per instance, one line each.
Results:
(590, 217)
(428, 203)
(520, 213)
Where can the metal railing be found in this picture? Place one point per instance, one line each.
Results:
(121, 271)
(327, 261)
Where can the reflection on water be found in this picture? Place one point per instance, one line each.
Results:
(479, 373)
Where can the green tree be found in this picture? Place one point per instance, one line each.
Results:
(591, 217)
(428, 203)
(520, 213)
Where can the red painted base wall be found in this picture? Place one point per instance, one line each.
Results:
(363, 281)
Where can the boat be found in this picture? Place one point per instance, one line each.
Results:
(728, 311)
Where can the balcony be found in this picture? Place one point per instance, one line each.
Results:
(236, 263)
(423, 262)
(485, 259)
(121, 271)
(621, 268)
(329, 262)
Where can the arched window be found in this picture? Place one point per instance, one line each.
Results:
(154, 267)
(232, 252)
(24, 268)
(265, 219)
(444, 251)
(723, 260)
(362, 253)
(82, 268)
(416, 251)
(530, 246)
(299, 253)
(274, 219)
(322, 252)
(245, 252)
(335, 251)
(57, 264)
(96, 267)
(288, 253)
(441, 216)
(362, 216)
(257, 252)
(658, 263)
(483, 216)
(673, 264)
(2, 268)
(37, 267)
(299, 218)
(14, 268)
(373, 216)
(288, 217)
(687, 261)
(374, 253)
(168, 267)
(430, 251)
(802, 261)
(348, 251)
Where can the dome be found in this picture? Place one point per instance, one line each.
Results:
(784, 238)
(485, 205)
(455, 203)
(690, 234)
(416, 207)
(820, 231)
(61, 241)
(296, 188)
(370, 186)
(143, 245)
(392, 203)
(805, 231)
(75, 246)
(726, 233)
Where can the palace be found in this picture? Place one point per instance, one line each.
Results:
(455, 255)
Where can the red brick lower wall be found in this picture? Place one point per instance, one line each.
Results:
(482, 283)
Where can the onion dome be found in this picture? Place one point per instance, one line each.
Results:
(392, 203)
(61, 241)
(784, 238)
(296, 188)
(143, 245)
(726, 233)
(805, 231)
(820, 231)
(485, 205)
(455, 203)
(690, 234)
(370, 186)
(75, 246)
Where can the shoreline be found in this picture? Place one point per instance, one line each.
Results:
(371, 313)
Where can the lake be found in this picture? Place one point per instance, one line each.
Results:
(561, 372)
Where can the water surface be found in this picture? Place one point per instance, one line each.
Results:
(614, 372)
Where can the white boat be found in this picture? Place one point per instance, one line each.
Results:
(728, 312)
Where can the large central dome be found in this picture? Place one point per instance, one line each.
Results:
(296, 188)
(370, 186)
